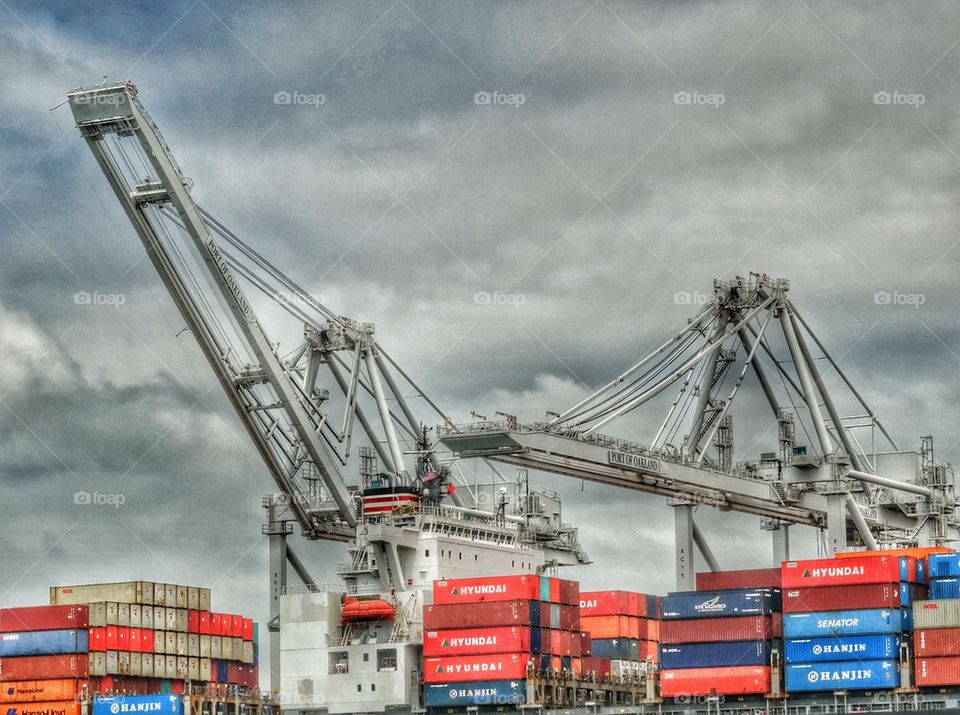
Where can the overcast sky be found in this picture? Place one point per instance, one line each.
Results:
(632, 152)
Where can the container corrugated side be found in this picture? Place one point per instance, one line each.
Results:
(480, 615)
(31, 691)
(63, 707)
(714, 655)
(944, 588)
(932, 672)
(122, 592)
(464, 668)
(944, 565)
(486, 692)
(844, 572)
(42, 667)
(43, 618)
(613, 603)
(719, 604)
(936, 614)
(478, 641)
(847, 675)
(484, 589)
(840, 598)
(936, 642)
(43, 642)
(742, 680)
(744, 578)
(160, 704)
(863, 647)
(846, 623)
(712, 630)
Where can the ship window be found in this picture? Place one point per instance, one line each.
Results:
(359, 688)
(366, 657)
(427, 553)
(373, 687)
(460, 556)
(339, 662)
(387, 659)
(474, 557)
(513, 564)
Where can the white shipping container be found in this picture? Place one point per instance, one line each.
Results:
(936, 614)
(146, 617)
(171, 596)
(159, 666)
(238, 648)
(193, 645)
(193, 598)
(146, 665)
(97, 615)
(170, 619)
(125, 592)
(159, 642)
(136, 621)
(215, 650)
(226, 648)
(204, 599)
(112, 663)
(247, 652)
(205, 646)
(183, 621)
(170, 647)
(182, 644)
(123, 614)
(97, 663)
(112, 614)
(136, 664)
(159, 594)
(183, 667)
(171, 666)
(193, 668)
(159, 617)
(204, 669)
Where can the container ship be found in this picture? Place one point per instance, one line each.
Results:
(449, 597)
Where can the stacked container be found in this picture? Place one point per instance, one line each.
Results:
(718, 642)
(624, 630)
(936, 641)
(483, 635)
(831, 646)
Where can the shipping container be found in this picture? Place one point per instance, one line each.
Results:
(43, 642)
(30, 691)
(936, 614)
(931, 672)
(714, 630)
(43, 618)
(846, 675)
(863, 647)
(611, 626)
(491, 588)
(714, 655)
(944, 588)
(141, 592)
(612, 603)
(193, 621)
(917, 552)
(462, 668)
(489, 692)
(63, 707)
(746, 578)
(840, 598)
(248, 629)
(480, 615)
(741, 680)
(719, 604)
(121, 704)
(42, 667)
(936, 642)
(944, 565)
(204, 599)
(847, 623)
(845, 572)
(478, 641)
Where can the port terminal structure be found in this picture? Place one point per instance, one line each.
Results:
(824, 473)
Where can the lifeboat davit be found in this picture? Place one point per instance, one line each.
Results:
(366, 609)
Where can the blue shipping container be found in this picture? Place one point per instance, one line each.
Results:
(483, 692)
(612, 648)
(941, 588)
(922, 575)
(134, 704)
(43, 642)
(852, 675)
(714, 655)
(944, 565)
(847, 623)
(717, 604)
(818, 650)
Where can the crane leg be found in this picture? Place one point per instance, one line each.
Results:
(781, 544)
(683, 524)
(278, 581)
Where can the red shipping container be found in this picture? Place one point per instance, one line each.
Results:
(739, 680)
(718, 630)
(649, 650)
(569, 592)
(463, 668)
(96, 639)
(845, 572)
(492, 588)
(841, 598)
(479, 615)
(247, 629)
(226, 625)
(612, 603)
(214, 624)
(937, 642)
(610, 626)
(570, 618)
(585, 644)
(746, 578)
(123, 638)
(111, 638)
(43, 667)
(135, 646)
(43, 618)
(146, 640)
(63, 707)
(205, 626)
(599, 667)
(31, 691)
(937, 671)
(193, 621)
(236, 630)
(476, 641)
(576, 666)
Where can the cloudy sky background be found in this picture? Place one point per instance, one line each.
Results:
(597, 200)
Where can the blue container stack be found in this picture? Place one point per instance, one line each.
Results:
(944, 575)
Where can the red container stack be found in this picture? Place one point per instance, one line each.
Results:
(624, 628)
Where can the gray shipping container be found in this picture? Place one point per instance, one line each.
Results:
(181, 597)
(204, 599)
(215, 649)
(98, 663)
(226, 648)
(159, 666)
(182, 620)
(193, 645)
(205, 646)
(171, 643)
(146, 617)
(146, 665)
(135, 619)
(112, 663)
(247, 652)
(238, 648)
(204, 669)
(171, 596)
(193, 668)
(123, 662)
(182, 644)
(123, 614)
(936, 614)
(171, 666)
(159, 642)
(123, 592)
(136, 664)
(193, 598)
(170, 619)
(159, 594)
(112, 614)
(159, 618)
(97, 615)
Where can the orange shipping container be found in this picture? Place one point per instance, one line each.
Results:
(917, 552)
(24, 691)
(56, 708)
(609, 626)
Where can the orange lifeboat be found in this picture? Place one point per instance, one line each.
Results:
(366, 609)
